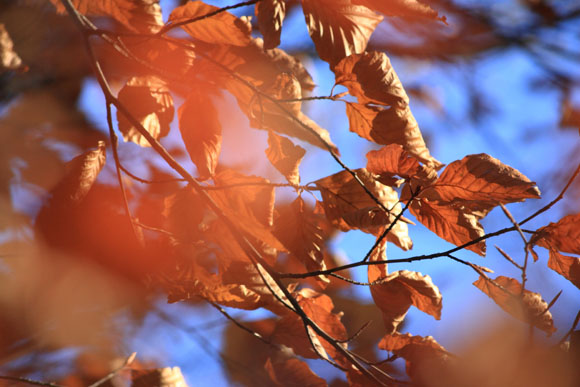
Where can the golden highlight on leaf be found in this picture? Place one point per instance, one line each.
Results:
(9, 60)
(270, 14)
(527, 306)
(338, 28)
(147, 98)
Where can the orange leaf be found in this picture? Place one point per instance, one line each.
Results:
(423, 355)
(138, 15)
(148, 100)
(402, 289)
(567, 266)
(563, 235)
(201, 132)
(455, 224)
(285, 156)
(527, 307)
(339, 28)
(184, 212)
(482, 177)
(8, 58)
(394, 160)
(390, 126)
(292, 372)
(270, 14)
(409, 9)
(221, 28)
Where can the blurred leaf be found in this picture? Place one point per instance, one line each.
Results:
(410, 9)
(285, 156)
(270, 14)
(160, 377)
(9, 60)
(292, 372)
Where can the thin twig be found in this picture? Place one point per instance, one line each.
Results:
(240, 325)
(571, 330)
(29, 381)
(114, 373)
(510, 259)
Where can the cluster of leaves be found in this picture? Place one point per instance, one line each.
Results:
(223, 236)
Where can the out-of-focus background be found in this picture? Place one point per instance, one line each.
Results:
(501, 77)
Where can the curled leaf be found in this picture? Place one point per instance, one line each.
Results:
(394, 160)
(270, 14)
(285, 156)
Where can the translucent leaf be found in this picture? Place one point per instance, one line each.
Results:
(527, 307)
(292, 372)
(394, 160)
(285, 156)
(563, 235)
(201, 132)
(270, 14)
(220, 28)
(568, 267)
(339, 28)
(148, 100)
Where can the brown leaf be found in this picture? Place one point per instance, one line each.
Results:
(201, 132)
(221, 28)
(292, 372)
(563, 235)
(183, 212)
(527, 307)
(270, 14)
(9, 60)
(339, 28)
(422, 354)
(348, 206)
(390, 126)
(453, 223)
(482, 178)
(139, 15)
(285, 156)
(160, 377)
(402, 289)
(372, 79)
(148, 100)
(567, 266)
(248, 201)
(394, 160)
(409, 9)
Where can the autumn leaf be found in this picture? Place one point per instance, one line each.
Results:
(409, 9)
(148, 100)
(393, 160)
(528, 306)
(422, 355)
(270, 14)
(285, 156)
(161, 377)
(201, 132)
(399, 291)
(563, 236)
(348, 206)
(339, 28)
(453, 223)
(482, 178)
(292, 372)
(220, 28)
(138, 15)
(9, 59)
(183, 212)
(372, 79)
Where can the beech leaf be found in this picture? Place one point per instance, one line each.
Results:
(201, 132)
(339, 28)
(566, 266)
(270, 14)
(285, 156)
(184, 212)
(148, 100)
(394, 160)
(221, 28)
(292, 372)
(527, 307)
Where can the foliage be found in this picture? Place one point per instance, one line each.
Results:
(221, 236)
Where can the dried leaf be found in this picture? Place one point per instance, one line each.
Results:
(394, 160)
(453, 223)
(220, 28)
(139, 15)
(270, 14)
(402, 289)
(339, 28)
(390, 126)
(482, 178)
(568, 267)
(148, 100)
(9, 60)
(409, 9)
(184, 211)
(527, 307)
(285, 156)
(201, 132)
(292, 372)
(563, 235)
(422, 354)
(372, 79)
(160, 377)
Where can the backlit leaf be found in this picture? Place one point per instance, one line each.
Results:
(339, 28)
(292, 372)
(148, 100)
(270, 14)
(394, 160)
(482, 177)
(453, 223)
(221, 28)
(184, 211)
(8, 58)
(527, 307)
(201, 132)
(410, 9)
(285, 156)
(402, 289)
(567, 266)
